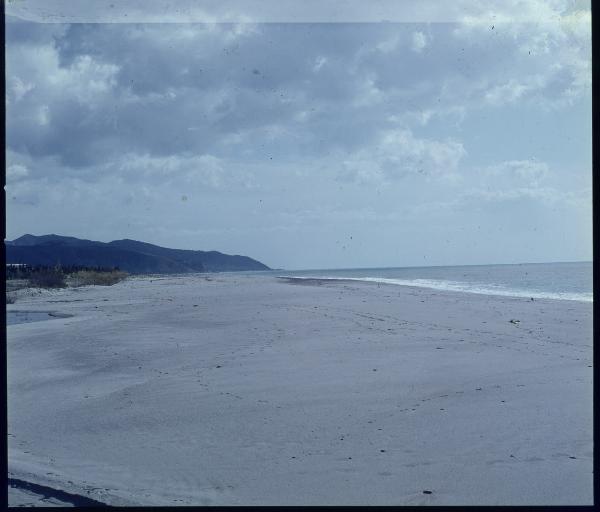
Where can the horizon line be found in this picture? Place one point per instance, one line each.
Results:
(436, 266)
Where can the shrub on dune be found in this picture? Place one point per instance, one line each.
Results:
(92, 277)
(47, 278)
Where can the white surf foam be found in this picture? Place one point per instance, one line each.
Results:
(457, 286)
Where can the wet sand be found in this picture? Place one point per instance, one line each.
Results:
(249, 390)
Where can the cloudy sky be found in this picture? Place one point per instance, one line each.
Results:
(424, 140)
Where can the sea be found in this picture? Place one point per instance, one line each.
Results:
(564, 281)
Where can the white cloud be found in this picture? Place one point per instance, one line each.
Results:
(205, 170)
(388, 45)
(86, 79)
(544, 194)
(20, 88)
(367, 93)
(513, 180)
(519, 172)
(89, 78)
(419, 42)
(424, 116)
(16, 172)
(43, 115)
(319, 63)
(513, 90)
(398, 153)
(484, 15)
(550, 58)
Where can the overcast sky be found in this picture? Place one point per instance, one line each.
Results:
(308, 145)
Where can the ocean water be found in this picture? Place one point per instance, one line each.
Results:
(566, 281)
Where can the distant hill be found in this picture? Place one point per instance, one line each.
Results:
(129, 255)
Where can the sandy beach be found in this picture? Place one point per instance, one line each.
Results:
(251, 390)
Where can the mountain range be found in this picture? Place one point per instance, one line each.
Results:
(129, 255)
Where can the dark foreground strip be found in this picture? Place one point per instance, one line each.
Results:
(48, 492)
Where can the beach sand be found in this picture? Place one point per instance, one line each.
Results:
(252, 390)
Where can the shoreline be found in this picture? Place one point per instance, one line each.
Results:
(396, 282)
(249, 390)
